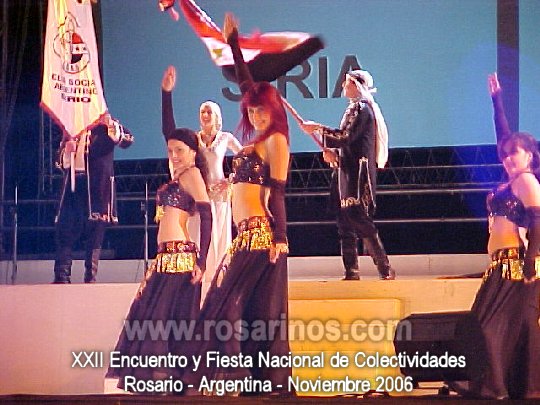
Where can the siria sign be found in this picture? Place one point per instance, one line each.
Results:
(350, 62)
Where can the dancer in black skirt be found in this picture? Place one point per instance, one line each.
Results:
(507, 304)
(247, 302)
(169, 296)
(213, 144)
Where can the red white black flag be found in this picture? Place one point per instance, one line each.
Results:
(268, 55)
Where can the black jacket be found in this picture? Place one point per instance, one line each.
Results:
(355, 180)
(99, 176)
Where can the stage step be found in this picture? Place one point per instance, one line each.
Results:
(344, 329)
(46, 323)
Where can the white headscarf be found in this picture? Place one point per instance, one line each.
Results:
(217, 112)
(364, 81)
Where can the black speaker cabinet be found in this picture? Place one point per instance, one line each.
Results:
(441, 346)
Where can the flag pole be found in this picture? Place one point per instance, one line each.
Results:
(72, 170)
(300, 120)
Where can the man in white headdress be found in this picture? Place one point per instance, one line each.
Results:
(360, 145)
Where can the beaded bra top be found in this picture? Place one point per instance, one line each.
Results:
(173, 195)
(248, 167)
(502, 202)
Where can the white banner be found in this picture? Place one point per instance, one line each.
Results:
(72, 92)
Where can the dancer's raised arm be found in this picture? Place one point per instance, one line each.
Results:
(230, 34)
(167, 115)
(502, 129)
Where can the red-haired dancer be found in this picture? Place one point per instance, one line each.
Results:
(252, 292)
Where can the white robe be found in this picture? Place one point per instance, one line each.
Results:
(220, 203)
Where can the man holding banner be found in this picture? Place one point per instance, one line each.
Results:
(72, 94)
(87, 201)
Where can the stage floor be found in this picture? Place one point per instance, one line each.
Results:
(430, 396)
(316, 268)
(47, 324)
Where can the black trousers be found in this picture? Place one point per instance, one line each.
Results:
(353, 222)
(73, 223)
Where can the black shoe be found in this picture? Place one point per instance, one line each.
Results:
(91, 266)
(62, 266)
(352, 275)
(61, 280)
(62, 273)
(89, 277)
(375, 248)
(391, 275)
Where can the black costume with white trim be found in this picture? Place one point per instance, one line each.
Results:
(87, 209)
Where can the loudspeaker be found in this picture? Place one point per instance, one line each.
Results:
(430, 343)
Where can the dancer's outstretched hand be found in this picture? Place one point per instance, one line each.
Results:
(276, 250)
(494, 86)
(229, 25)
(530, 280)
(169, 78)
(196, 275)
(310, 127)
(331, 157)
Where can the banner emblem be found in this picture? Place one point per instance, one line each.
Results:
(69, 46)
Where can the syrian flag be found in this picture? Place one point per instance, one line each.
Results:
(268, 55)
(71, 92)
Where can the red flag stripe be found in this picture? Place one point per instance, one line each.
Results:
(210, 34)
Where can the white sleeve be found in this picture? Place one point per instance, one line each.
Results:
(233, 143)
(117, 133)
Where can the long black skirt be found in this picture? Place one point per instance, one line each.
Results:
(164, 307)
(245, 312)
(508, 311)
